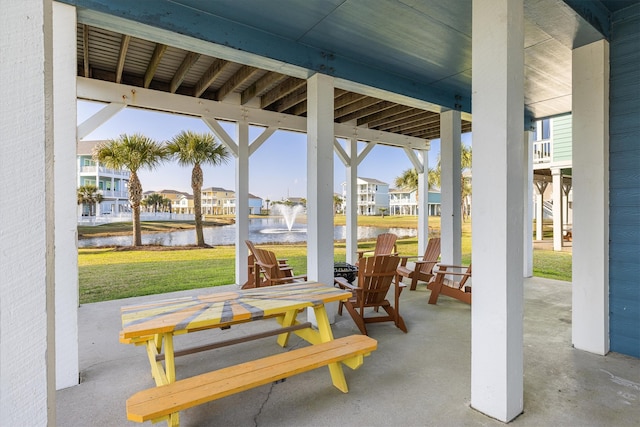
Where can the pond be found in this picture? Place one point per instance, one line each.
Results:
(261, 230)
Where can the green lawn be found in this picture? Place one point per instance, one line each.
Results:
(107, 274)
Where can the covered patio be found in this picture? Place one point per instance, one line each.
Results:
(419, 378)
(530, 59)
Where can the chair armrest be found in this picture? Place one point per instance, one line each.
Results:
(342, 282)
(453, 273)
(289, 279)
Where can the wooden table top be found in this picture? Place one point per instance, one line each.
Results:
(186, 314)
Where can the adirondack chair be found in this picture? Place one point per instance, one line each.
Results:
(423, 265)
(375, 276)
(273, 273)
(450, 280)
(255, 281)
(385, 245)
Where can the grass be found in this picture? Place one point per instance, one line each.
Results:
(112, 273)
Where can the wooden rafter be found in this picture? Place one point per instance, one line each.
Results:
(241, 76)
(189, 60)
(366, 111)
(356, 106)
(385, 119)
(283, 89)
(381, 115)
(261, 85)
(153, 63)
(209, 76)
(294, 98)
(411, 118)
(85, 46)
(124, 46)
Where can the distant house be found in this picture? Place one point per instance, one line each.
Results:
(113, 184)
(218, 201)
(183, 204)
(552, 159)
(171, 195)
(255, 205)
(373, 196)
(405, 202)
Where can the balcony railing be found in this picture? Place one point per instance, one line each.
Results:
(104, 171)
(115, 194)
(542, 151)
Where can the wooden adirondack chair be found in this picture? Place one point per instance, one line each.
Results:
(375, 276)
(450, 280)
(255, 281)
(385, 245)
(273, 273)
(423, 269)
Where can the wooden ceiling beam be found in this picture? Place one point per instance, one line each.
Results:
(356, 106)
(209, 76)
(158, 52)
(85, 46)
(285, 88)
(261, 85)
(347, 98)
(408, 112)
(366, 111)
(301, 108)
(423, 116)
(189, 60)
(124, 46)
(294, 98)
(241, 76)
(381, 115)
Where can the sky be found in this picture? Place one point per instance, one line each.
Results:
(277, 170)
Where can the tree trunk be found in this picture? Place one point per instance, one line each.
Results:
(196, 186)
(135, 195)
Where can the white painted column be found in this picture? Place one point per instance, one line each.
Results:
(242, 201)
(65, 176)
(590, 313)
(352, 201)
(540, 187)
(27, 313)
(450, 176)
(320, 137)
(556, 175)
(423, 203)
(498, 174)
(528, 205)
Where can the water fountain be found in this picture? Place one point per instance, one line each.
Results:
(289, 214)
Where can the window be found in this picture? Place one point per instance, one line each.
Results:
(542, 130)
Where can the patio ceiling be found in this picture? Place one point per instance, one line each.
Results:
(397, 63)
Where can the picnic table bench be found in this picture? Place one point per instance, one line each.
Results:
(155, 324)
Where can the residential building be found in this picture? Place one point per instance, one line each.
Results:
(183, 204)
(171, 195)
(220, 201)
(552, 164)
(373, 196)
(113, 184)
(405, 202)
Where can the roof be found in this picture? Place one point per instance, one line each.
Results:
(219, 189)
(372, 181)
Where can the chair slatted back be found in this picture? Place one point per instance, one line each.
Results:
(385, 244)
(269, 265)
(375, 275)
(431, 255)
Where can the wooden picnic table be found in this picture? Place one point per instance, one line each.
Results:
(155, 324)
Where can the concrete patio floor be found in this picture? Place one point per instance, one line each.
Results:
(417, 379)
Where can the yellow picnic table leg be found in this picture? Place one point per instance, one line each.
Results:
(170, 369)
(289, 319)
(324, 329)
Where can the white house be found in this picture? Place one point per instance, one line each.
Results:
(113, 184)
(373, 195)
(405, 202)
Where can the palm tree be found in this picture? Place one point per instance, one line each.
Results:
(409, 178)
(153, 200)
(191, 148)
(89, 195)
(132, 152)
